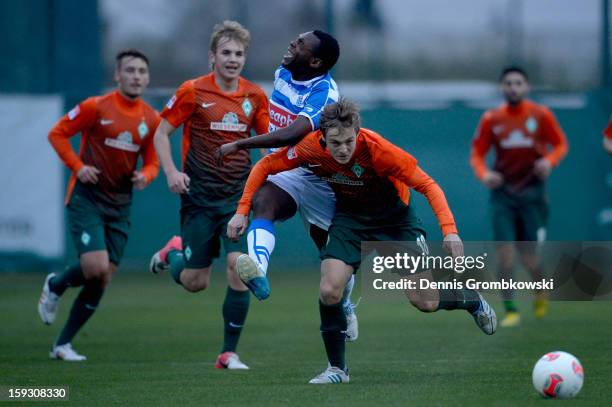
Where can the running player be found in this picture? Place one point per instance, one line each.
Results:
(521, 132)
(370, 178)
(216, 108)
(116, 129)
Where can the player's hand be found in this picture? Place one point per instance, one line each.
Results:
(542, 168)
(225, 149)
(138, 180)
(178, 182)
(493, 179)
(88, 174)
(237, 226)
(453, 245)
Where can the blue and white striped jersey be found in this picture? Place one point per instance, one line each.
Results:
(291, 98)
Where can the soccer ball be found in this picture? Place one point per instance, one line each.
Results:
(558, 375)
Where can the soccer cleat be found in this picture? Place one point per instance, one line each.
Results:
(252, 276)
(47, 304)
(159, 261)
(540, 305)
(65, 352)
(352, 325)
(230, 360)
(511, 320)
(485, 317)
(331, 375)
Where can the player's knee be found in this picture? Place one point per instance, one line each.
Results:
(330, 293)
(97, 271)
(424, 305)
(192, 282)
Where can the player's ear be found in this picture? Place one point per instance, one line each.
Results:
(316, 63)
(211, 60)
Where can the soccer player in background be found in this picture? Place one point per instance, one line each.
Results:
(528, 143)
(370, 178)
(116, 129)
(302, 87)
(607, 139)
(216, 108)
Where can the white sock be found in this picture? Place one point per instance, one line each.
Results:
(261, 240)
(348, 290)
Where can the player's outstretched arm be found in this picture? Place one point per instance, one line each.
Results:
(287, 136)
(178, 182)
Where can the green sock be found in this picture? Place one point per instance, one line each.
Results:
(333, 327)
(235, 309)
(83, 308)
(72, 276)
(459, 299)
(177, 264)
(510, 306)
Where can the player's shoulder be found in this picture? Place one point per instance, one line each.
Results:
(252, 87)
(538, 108)
(201, 82)
(149, 111)
(370, 137)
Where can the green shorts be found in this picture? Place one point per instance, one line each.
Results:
(520, 216)
(347, 232)
(203, 230)
(94, 226)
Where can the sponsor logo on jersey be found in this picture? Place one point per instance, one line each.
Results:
(143, 129)
(531, 124)
(229, 123)
(279, 117)
(338, 178)
(207, 105)
(74, 112)
(122, 142)
(106, 122)
(517, 139)
(498, 129)
(171, 102)
(247, 107)
(357, 170)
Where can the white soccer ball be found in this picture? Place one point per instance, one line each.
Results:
(558, 375)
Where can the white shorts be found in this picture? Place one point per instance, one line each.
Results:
(314, 198)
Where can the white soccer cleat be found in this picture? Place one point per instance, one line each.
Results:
(156, 265)
(485, 317)
(331, 375)
(66, 353)
(230, 360)
(159, 261)
(352, 325)
(48, 302)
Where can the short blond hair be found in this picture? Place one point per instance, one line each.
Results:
(232, 30)
(343, 113)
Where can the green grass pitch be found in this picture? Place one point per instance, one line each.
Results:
(153, 343)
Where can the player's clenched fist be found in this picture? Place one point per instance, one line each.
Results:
(453, 245)
(237, 226)
(178, 182)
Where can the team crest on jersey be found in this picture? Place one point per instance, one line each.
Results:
(531, 125)
(123, 142)
(74, 112)
(229, 123)
(247, 107)
(357, 170)
(291, 153)
(143, 130)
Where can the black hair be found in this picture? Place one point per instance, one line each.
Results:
(131, 53)
(328, 50)
(513, 69)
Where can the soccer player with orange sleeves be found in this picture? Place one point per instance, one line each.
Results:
(116, 129)
(214, 109)
(370, 178)
(528, 143)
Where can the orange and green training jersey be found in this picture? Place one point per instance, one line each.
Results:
(211, 118)
(520, 135)
(115, 131)
(368, 187)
